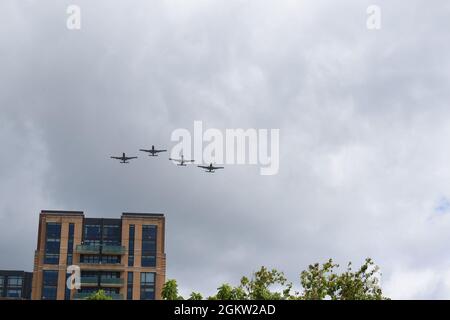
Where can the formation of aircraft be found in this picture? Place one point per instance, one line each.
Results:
(154, 153)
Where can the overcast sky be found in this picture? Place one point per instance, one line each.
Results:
(363, 116)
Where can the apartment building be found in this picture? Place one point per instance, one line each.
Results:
(124, 257)
(15, 285)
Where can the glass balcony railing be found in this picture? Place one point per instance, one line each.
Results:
(113, 250)
(111, 282)
(89, 281)
(85, 295)
(87, 249)
(95, 249)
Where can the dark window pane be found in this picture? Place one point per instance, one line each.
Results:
(92, 232)
(70, 241)
(130, 261)
(148, 245)
(50, 284)
(52, 243)
(147, 285)
(50, 278)
(67, 291)
(14, 293)
(53, 230)
(148, 232)
(130, 286)
(49, 293)
(15, 281)
(51, 259)
(148, 261)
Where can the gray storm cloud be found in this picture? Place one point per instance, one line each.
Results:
(363, 117)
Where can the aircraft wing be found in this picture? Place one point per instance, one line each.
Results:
(145, 150)
(157, 151)
(204, 167)
(130, 158)
(118, 158)
(215, 168)
(177, 160)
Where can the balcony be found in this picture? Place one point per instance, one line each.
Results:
(87, 249)
(85, 295)
(105, 266)
(113, 250)
(111, 282)
(89, 281)
(95, 249)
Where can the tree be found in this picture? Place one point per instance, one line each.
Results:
(319, 282)
(195, 296)
(258, 287)
(170, 291)
(99, 295)
(362, 284)
(227, 292)
(322, 282)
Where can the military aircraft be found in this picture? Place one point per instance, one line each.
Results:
(153, 152)
(182, 161)
(124, 158)
(210, 168)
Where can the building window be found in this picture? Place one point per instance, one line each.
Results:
(49, 284)
(111, 235)
(149, 233)
(92, 234)
(14, 293)
(70, 244)
(130, 286)
(110, 275)
(14, 286)
(52, 243)
(112, 291)
(148, 261)
(68, 290)
(111, 259)
(96, 259)
(131, 246)
(15, 282)
(2, 284)
(147, 285)
(89, 259)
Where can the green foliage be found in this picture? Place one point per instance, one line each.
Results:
(319, 282)
(195, 296)
(322, 282)
(170, 291)
(259, 286)
(99, 295)
(227, 292)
